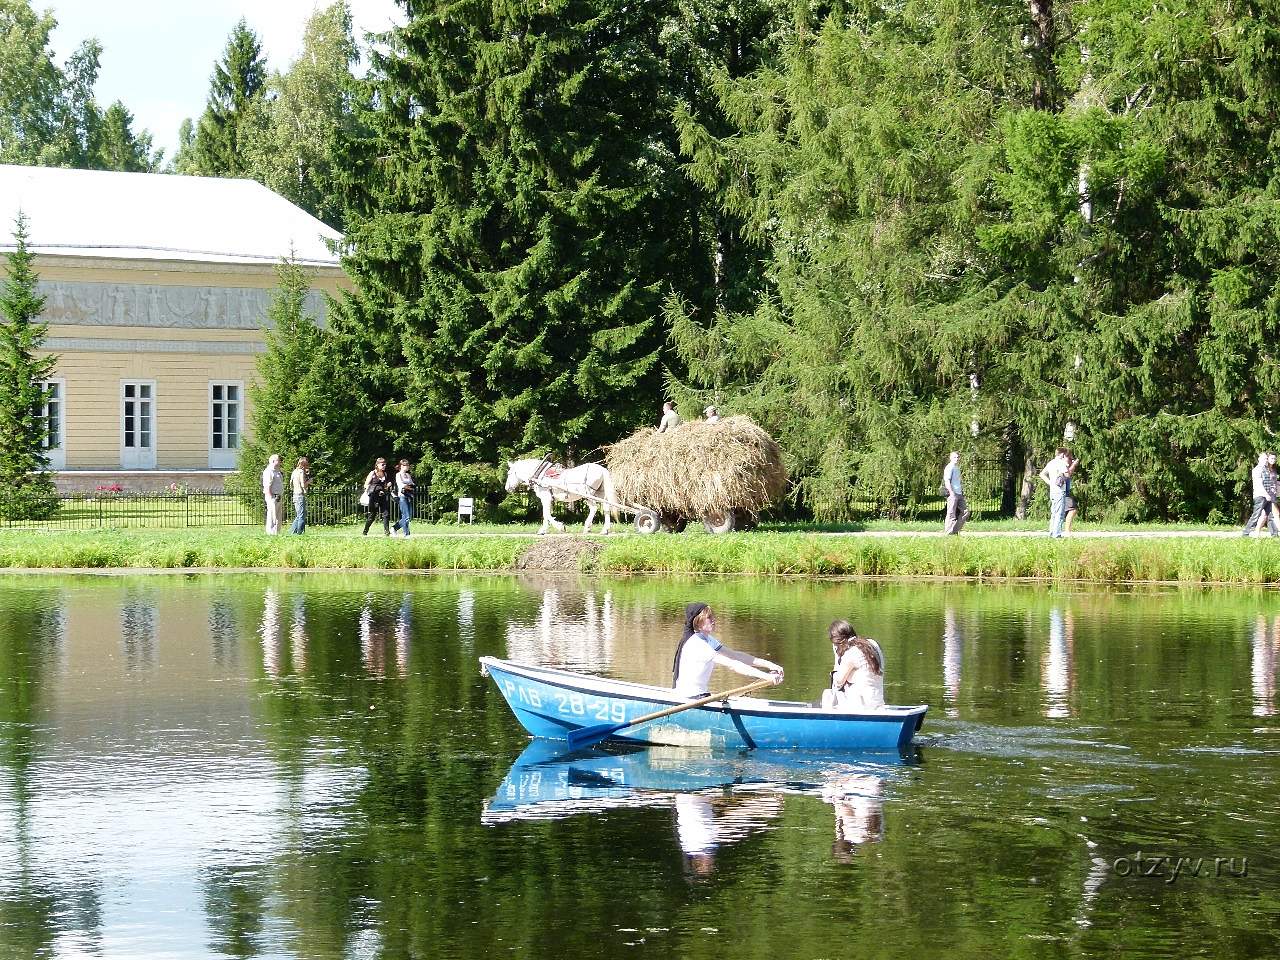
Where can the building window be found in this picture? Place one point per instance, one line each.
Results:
(52, 419)
(224, 424)
(137, 424)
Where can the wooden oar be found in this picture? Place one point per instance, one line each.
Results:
(586, 736)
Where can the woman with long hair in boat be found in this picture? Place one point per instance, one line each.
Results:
(699, 652)
(857, 681)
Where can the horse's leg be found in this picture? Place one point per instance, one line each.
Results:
(546, 511)
(591, 515)
(551, 517)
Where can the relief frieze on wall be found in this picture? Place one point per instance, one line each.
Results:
(148, 305)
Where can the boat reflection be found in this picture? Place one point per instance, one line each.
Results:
(718, 799)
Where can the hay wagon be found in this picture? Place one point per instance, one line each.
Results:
(719, 474)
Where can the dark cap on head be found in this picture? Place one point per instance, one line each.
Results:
(691, 612)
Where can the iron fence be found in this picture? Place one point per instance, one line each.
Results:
(183, 510)
(984, 488)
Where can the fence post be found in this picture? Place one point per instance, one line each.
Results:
(99, 511)
(186, 503)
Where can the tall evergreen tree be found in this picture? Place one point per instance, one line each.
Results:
(23, 479)
(299, 407)
(519, 226)
(119, 148)
(235, 89)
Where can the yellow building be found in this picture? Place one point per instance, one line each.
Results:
(156, 292)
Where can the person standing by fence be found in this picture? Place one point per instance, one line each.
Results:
(1264, 495)
(376, 497)
(299, 480)
(1055, 475)
(404, 494)
(957, 505)
(272, 491)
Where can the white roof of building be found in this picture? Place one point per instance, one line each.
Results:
(155, 216)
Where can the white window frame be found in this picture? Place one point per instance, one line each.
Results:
(225, 458)
(57, 454)
(129, 457)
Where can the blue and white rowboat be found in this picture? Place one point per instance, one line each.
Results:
(550, 703)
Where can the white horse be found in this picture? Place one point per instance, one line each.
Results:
(568, 486)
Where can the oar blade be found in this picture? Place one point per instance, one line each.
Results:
(588, 736)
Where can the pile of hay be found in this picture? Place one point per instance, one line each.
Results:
(699, 468)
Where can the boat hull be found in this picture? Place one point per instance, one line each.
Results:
(551, 703)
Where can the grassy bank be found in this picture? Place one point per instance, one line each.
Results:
(245, 548)
(1187, 559)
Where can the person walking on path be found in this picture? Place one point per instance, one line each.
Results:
(377, 497)
(272, 491)
(299, 481)
(1264, 496)
(404, 494)
(1073, 463)
(957, 505)
(1054, 475)
(670, 419)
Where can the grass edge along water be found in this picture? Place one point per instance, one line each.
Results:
(1189, 559)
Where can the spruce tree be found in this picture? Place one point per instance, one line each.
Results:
(26, 489)
(298, 409)
(119, 148)
(522, 219)
(235, 89)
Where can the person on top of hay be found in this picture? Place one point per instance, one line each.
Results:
(670, 419)
(712, 415)
(699, 651)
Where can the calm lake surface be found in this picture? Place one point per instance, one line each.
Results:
(312, 766)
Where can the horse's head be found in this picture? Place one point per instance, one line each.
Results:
(513, 476)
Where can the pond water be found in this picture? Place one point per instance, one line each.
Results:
(313, 766)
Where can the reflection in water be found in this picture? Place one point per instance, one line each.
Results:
(558, 638)
(298, 635)
(138, 632)
(1262, 666)
(223, 632)
(718, 799)
(859, 812)
(377, 627)
(467, 615)
(705, 823)
(952, 657)
(270, 633)
(1057, 674)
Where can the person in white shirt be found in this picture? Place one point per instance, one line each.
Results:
(957, 505)
(404, 494)
(699, 652)
(299, 481)
(712, 415)
(1263, 495)
(857, 682)
(1054, 475)
(272, 491)
(670, 419)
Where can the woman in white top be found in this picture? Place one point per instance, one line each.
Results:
(857, 682)
(699, 652)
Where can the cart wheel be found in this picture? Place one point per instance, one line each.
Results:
(674, 523)
(718, 522)
(647, 522)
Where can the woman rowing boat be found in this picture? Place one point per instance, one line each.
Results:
(699, 652)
